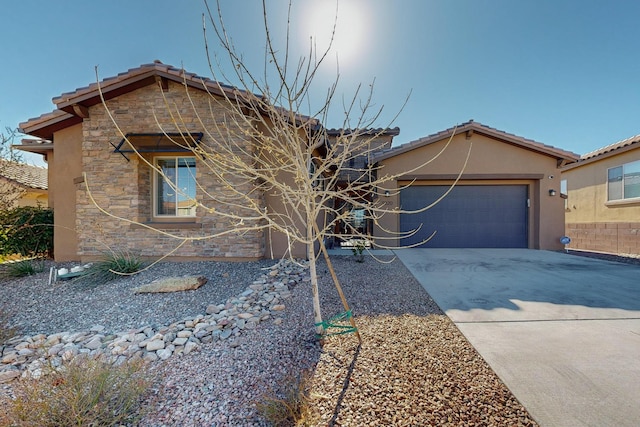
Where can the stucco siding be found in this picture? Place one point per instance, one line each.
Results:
(491, 162)
(592, 222)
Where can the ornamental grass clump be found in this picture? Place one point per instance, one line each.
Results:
(23, 268)
(291, 406)
(85, 392)
(115, 265)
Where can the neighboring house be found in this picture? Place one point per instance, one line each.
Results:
(22, 184)
(508, 195)
(603, 199)
(503, 200)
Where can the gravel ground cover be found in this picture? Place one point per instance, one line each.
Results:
(413, 368)
(81, 303)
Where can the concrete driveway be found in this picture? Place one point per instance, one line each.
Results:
(561, 331)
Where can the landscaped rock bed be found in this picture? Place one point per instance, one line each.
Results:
(263, 300)
(413, 368)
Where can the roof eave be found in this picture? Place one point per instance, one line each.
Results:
(615, 152)
(556, 153)
(45, 125)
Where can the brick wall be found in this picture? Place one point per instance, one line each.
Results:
(123, 188)
(611, 237)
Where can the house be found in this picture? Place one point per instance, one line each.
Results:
(107, 194)
(508, 195)
(603, 199)
(355, 171)
(104, 186)
(22, 184)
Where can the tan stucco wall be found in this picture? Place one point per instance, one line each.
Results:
(13, 194)
(65, 166)
(491, 162)
(122, 187)
(34, 198)
(587, 192)
(591, 221)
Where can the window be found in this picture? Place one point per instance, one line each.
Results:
(175, 187)
(623, 182)
(564, 193)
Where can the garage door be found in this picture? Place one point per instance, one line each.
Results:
(471, 216)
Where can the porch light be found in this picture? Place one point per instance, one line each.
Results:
(552, 192)
(387, 193)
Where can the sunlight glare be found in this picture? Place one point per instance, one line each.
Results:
(348, 43)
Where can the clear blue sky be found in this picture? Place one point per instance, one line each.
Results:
(564, 73)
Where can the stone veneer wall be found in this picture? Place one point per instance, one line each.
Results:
(123, 188)
(611, 237)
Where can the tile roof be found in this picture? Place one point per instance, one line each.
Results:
(71, 106)
(612, 147)
(133, 75)
(23, 174)
(481, 129)
(370, 131)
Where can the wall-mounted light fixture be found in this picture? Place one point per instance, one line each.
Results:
(387, 193)
(552, 192)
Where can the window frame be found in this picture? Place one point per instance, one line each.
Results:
(621, 190)
(155, 182)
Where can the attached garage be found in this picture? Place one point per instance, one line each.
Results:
(506, 193)
(470, 216)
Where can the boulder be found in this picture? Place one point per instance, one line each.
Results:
(172, 284)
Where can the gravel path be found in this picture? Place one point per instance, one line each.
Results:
(414, 367)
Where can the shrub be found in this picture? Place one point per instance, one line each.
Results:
(26, 230)
(115, 265)
(27, 267)
(86, 392)
(290, 407)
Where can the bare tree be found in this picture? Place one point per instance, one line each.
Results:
(292, 157)
(10, 191)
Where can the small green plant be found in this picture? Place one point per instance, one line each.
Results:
(290, 407)
(26, 267)
(115, 265)
(86, 392)
(357, 249)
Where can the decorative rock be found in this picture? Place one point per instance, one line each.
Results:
(259, 302)
(94, 344)
(55, 349)
(172, 284)
(7, 376)
(180, 341)
(189, 347)
(9, 357)
(164, 353)
(155, 345)
(150, 357)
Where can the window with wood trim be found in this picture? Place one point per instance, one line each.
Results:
(623, 182)
(174, 187)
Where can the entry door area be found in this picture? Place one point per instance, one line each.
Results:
(470, 216)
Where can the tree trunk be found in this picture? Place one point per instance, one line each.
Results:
(311, 255)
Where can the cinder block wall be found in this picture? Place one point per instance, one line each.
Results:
(612, 237)
(123, 188)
